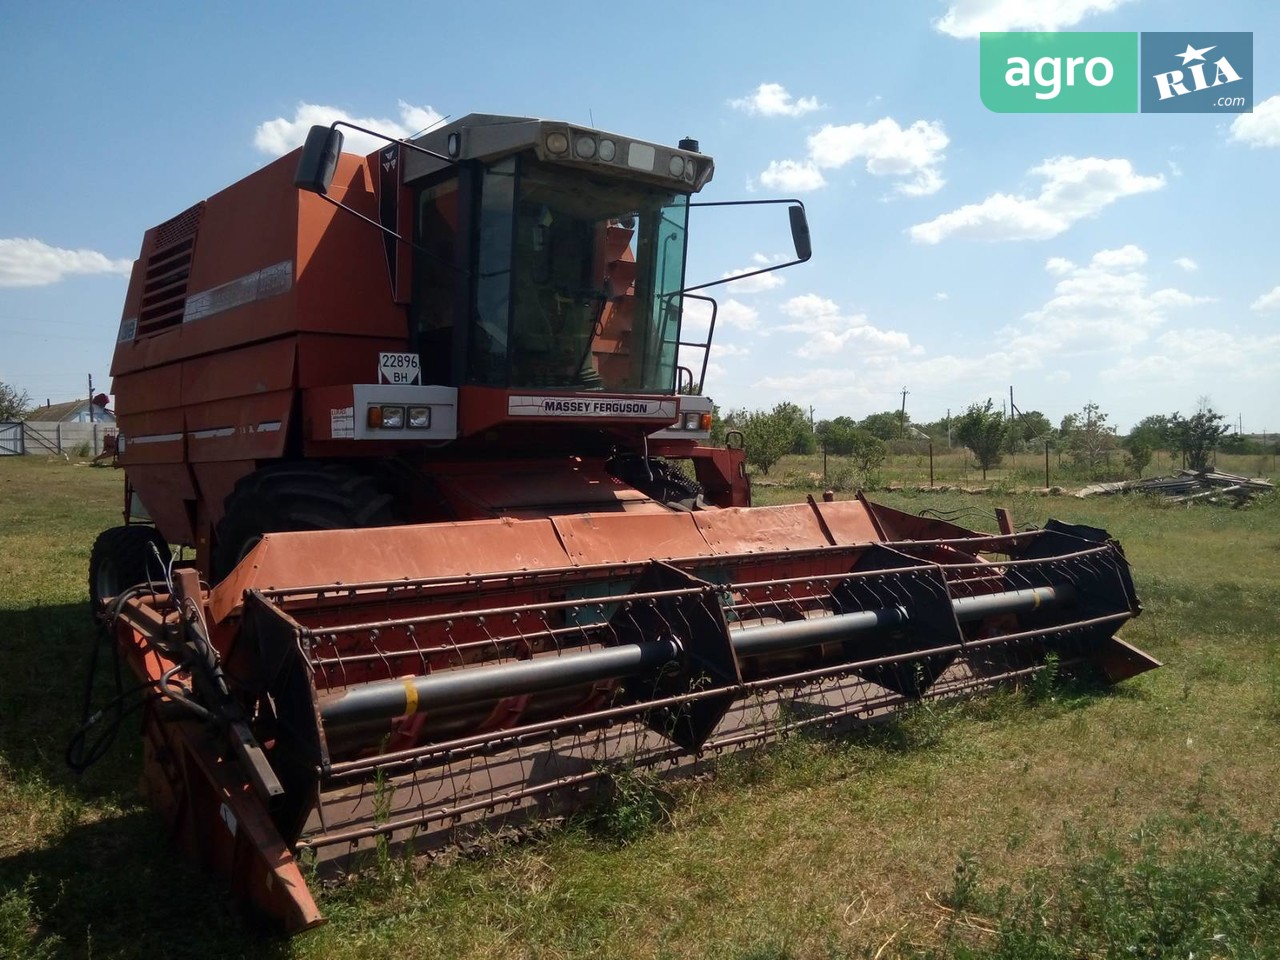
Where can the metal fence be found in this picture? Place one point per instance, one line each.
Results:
(11, 440)
(45, 438)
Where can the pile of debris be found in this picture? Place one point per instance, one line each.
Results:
(1189, 485)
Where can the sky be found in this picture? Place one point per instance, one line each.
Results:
(1129, 260)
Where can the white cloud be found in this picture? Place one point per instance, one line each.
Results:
(1074, 189)
(1130, 255)
(1099, 307)
(809, 311)
(1268, 301)
(735, 313)
(1101, 311)
(1187, 264)
(731, 313)
(277, 137)
(968, 18)
(1260, 128)
(33, 263)
(792, 176)
(912, 154)
(1199, 356)
(758, 283)
(1104, 332)
(829, 330)
(942, 296)
(773, 100)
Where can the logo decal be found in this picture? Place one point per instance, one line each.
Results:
(1074, 72)
(591, 407)
(1097, 72)
(1197, 72)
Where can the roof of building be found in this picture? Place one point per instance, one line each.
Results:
(55, 412)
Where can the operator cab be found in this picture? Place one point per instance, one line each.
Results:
(550, 258)
(544, 273)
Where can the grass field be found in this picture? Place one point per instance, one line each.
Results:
(1058, 821)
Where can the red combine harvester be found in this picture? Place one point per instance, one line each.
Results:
(420, 415)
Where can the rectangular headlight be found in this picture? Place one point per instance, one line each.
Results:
(392, 416)
(692, 421)
(419, 417)
(640, 156)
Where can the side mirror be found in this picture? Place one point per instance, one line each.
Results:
(800, 232)
(319, 161)
(799, 238)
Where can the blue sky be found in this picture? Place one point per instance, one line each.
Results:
(1129, 260)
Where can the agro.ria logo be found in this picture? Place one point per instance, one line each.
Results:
(1197, 73)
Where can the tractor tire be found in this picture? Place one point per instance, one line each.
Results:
(121, 558)
(306, 495)
(660, 480)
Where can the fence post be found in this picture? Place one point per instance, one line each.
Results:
(57, 435)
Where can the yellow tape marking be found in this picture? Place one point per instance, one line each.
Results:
(410, 698)
(1035, 606)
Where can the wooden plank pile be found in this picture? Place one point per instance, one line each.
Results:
(1187, 485)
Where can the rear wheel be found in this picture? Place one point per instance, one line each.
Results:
(123, 557)
(296, 496)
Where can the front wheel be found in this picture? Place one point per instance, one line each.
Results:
(306, 495)
(123, 557)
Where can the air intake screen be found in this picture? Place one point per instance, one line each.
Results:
(164, 286)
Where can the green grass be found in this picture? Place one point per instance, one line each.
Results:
(1088, 822)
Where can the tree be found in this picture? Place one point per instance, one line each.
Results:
(14, 403)
(768, 437)
(868, 452)
(838, 436)
(887, 425)
(1153, 431)
(982, 429)
(1197, 436)
(1139, 453)
(718, 427)
(1088, 439)
(1032, 425)
(798, 426)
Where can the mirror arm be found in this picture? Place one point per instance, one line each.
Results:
(746, 203)
(391, 233)
(739, 276)
(403, 143)
(799, 236)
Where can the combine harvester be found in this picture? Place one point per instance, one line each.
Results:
(417, 414)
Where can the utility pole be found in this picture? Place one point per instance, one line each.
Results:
(902, 416)
(91, 398)
(1014, 413)
(948, 428)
